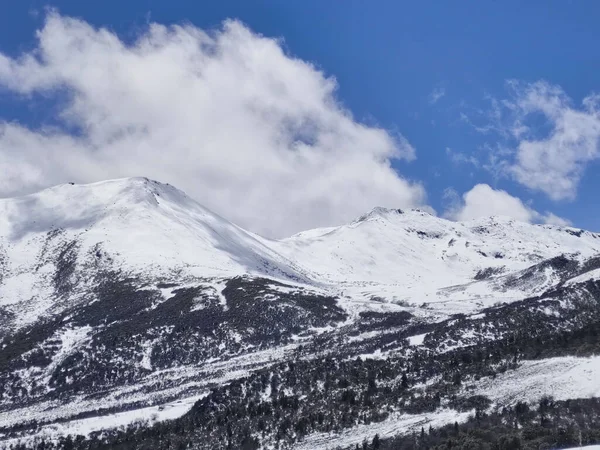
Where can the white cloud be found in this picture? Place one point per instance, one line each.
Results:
(249, 131)
(554, 164)
(436, 95)
(553, 219)
(458, 157)
(484, 201)
(546, 141)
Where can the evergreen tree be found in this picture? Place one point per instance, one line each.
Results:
(376, 443)
(404, 382)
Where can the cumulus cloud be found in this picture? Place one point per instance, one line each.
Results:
(484, 201)
(248, 130)
(546, 140)
(554, 163)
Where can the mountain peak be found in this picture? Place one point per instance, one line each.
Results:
(144, 225)
(131, 188)
(381, 212)
(378, 211)
(77, 206)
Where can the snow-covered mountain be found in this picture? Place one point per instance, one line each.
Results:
(412, 256)
(64, 235)
(120, 299)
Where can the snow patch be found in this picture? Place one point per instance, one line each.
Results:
(396, 424)
(563, 378)
(417, 340)
(84, 427)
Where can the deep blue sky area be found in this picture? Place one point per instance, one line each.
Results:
(388, 58)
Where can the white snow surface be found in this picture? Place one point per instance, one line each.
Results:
(394, 425)
(563, 378)
(84, 427)
(387, 246)
(588, 276)
(587, 447)
(148, 223)
(417, 340)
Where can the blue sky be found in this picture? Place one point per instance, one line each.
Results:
(455, 79)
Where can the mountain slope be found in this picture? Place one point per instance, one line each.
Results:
(57, 240)
(126, 299)
(378, 244)
(412, 257)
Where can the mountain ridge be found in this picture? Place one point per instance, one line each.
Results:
(151, 230)
(136, 188)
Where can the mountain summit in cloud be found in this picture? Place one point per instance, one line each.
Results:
(252, 132)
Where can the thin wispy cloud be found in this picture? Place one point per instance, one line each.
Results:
(436, 95)
(459, 158)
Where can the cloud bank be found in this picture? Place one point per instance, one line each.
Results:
(248, 130)
(484, 201)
